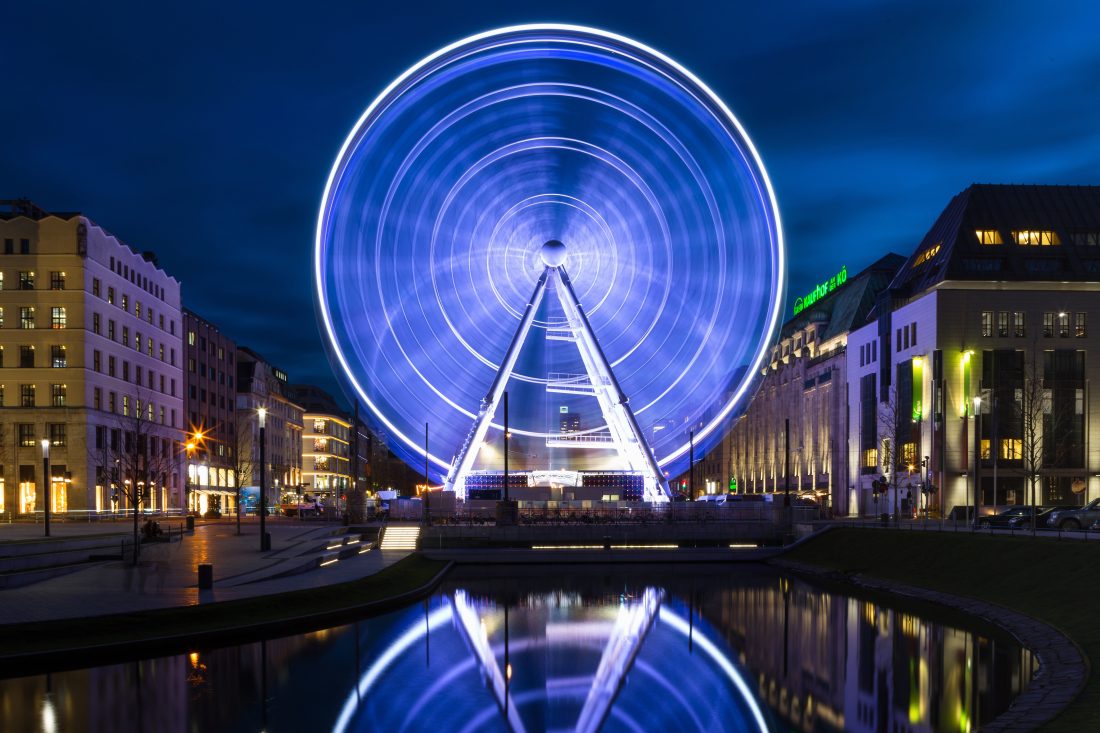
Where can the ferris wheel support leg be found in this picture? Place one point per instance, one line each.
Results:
(464, 461)
(613, 401)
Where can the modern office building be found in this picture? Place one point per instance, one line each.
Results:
(259, 384)
(803, 387)
(211, 408)
(973, 372)
(90, 348)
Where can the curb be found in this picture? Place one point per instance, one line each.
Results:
(1063, 667)
(100, 654)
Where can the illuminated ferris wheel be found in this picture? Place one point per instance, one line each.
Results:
(562, 214)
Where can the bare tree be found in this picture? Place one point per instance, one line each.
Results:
(895, 433)
(139, 453)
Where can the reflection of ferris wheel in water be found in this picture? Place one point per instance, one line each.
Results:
(441, 232)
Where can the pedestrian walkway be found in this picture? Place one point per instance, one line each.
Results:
(302, 556)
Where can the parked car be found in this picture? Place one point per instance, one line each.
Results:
(1012, 517)
(1076, 518)
(1044, 513)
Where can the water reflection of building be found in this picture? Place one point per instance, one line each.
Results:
(826, 662)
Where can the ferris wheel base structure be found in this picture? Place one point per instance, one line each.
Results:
(623, 432)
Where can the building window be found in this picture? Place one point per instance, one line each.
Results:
(1063, 324)
(1, 317)
(125, 335)
(26, 357)
(897, 338)
(149, 346)
(97, 361)
(111, 296)
(110, 365)
(137, 341)
(95, 286)
(1012, 449)
(1048, 325)
(190, 338)
(57, 280)
(1079, 327)
(1036, 238)
(988, 236)
(1085, 239)
(987, 323)
(137, 308)
(24, 246)
(913, 333)
(26, 395)
(1002, 324)
(126, 405)
(58, 317)
(126, 302)
(1018, 328)
(125, 371)
(870, 458)
(26, 280)
(97, 402)
(26, 435)
(191, 365)
(112, 402)
(9, 246)
(58, 395)
(58, 357)
(26, 317)
(95, 324)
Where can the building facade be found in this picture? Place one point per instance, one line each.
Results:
(803, 391)
(211, 407)
(327, 444)
(970, 381)
(259, 384)
(91, 352)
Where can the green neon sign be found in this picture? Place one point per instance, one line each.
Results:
(821, 290)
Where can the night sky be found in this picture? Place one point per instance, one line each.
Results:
(205, 131)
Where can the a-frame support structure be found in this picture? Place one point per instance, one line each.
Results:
(625, 433)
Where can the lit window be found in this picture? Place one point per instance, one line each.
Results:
(190, 338)
(58, 395)
(1012, 449)
(1048, 325)
(57, 281)
(987, 323)
(58, 357)
(989, 236)
(126, 303)
(57, 317)
(1063, 324)
(26, 395)
(111, 296)
(1002, 324)
(870, 458)
(26, 317)
(26, 280)
(1079, 325)
(1018, 328)
(1036, 238)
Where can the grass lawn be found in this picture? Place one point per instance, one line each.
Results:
(1047, 579)
(79, 642)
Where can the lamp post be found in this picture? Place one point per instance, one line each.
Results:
(265, 542)
(977, 454)
(46, 481)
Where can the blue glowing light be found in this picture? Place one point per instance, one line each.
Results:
(431, 228)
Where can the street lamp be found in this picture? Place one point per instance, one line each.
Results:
(977, 452)
(265, 541)
(46, 481)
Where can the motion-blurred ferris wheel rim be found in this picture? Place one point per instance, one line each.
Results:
(514, 34)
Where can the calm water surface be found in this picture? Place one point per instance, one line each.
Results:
(612, 649)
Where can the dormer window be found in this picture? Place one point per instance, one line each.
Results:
(1036, 238)
(988, 236)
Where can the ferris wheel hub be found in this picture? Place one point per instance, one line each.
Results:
(553, 253)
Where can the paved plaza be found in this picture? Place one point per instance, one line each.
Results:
(166, 574)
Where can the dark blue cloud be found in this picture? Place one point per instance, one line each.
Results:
(205, 131)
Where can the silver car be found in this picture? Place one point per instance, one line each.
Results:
(1078, 518)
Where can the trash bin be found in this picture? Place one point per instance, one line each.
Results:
(190, 519)
(206, 576)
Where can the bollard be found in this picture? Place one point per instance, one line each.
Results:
(206, 576)
(190, 522)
